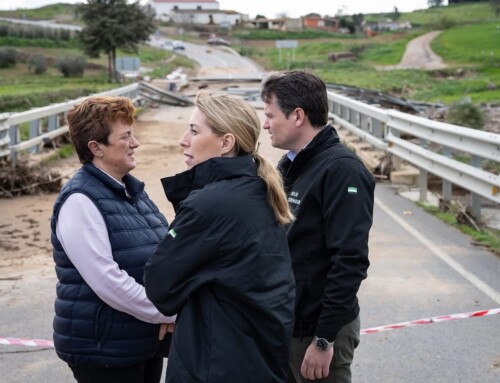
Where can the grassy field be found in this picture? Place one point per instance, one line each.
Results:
(20, 89)
(470, 44)
(471, 48)
(61, 12)
(457, 13)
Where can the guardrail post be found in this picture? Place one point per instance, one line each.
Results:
(35, 132)
(14, 140)
(423, 179)
(377, 129)
(447, 187)
(422, 185)
(475, 198)
(4, 135)
(365, 124)
(53, 122)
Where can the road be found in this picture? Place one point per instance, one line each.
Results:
(419, 54)
(420, 268)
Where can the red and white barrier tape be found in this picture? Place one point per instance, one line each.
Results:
(396, 326)
(27, 342)
(441, 318)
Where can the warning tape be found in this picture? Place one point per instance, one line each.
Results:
(396, 326)
(27, 342)
(437, 319)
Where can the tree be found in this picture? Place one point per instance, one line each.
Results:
(112, 25)
(396, 13)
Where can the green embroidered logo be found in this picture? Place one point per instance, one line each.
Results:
(172, 233)
(352, 190)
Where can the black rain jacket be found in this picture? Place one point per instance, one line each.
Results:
(330, 192)
(225, 268)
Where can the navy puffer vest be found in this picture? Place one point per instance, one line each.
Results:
(88, 332)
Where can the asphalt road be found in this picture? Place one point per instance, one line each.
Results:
(420, 268)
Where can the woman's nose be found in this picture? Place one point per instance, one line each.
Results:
(184, 142)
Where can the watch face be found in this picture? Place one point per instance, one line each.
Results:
(322, 344)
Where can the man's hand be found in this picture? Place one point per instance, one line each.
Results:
(316, 363)
(164, 328)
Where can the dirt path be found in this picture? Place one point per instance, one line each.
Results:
(419, 54)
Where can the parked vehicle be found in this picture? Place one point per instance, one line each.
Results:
(218, 41)
(178, 45)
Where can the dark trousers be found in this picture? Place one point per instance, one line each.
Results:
(343, 353)
(148, 371)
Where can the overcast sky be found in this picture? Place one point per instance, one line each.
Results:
(274, 8)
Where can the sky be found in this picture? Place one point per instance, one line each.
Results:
(276, 8)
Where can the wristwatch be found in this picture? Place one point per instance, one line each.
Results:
(322, 344)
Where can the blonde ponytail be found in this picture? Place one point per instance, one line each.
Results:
(275, 193)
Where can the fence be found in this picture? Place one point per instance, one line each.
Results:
(437, 148)
(44, 123)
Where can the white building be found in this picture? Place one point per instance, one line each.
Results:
(196, 12)
(164, 8)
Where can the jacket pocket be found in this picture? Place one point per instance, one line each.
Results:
(103, 324)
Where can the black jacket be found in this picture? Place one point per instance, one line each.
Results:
(225, 268)
(331, 193)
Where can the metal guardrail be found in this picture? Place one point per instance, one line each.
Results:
(10, 138)
(379, 127)
(383, 129)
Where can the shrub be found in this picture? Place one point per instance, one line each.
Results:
(444, 22)
(37, 63)
(71, 66)
(8, 57)
(465, 113)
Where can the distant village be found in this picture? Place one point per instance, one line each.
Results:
(208, 12)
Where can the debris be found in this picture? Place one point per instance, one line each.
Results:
(21, 178)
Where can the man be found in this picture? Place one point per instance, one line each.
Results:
(104, 228)
(330, 192)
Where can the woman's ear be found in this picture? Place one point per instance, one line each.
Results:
(95, 148)
(228, 145)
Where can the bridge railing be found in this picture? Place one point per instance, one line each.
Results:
(44, 123)
(456, 154)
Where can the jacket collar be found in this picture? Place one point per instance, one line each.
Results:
(178, 187)
(326, 137)
(133, 185)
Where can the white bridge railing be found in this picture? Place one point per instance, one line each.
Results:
(434, 149)
(383, 129)
(44, 123)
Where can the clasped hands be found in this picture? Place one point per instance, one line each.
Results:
(164, 328)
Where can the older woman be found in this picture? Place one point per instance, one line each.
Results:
(104, 228)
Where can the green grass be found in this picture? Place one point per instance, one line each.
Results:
(470, 44)
(59, 11)
(489, 238)
(21, 90)
(472, 50)
(459, 13)
(390, 52)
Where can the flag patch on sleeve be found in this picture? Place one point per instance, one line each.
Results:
(352, 190)
(172, 233)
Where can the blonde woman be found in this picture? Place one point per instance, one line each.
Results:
(224, 265)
